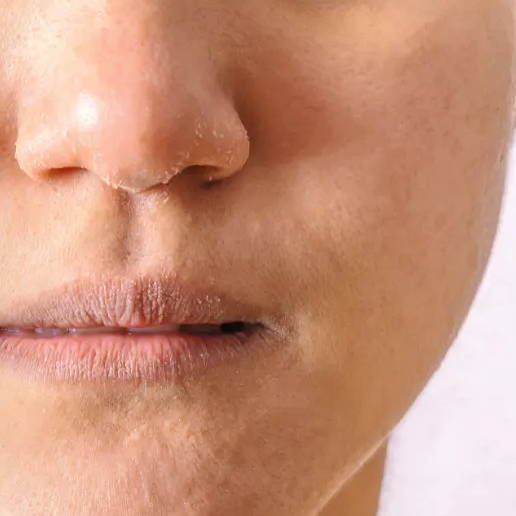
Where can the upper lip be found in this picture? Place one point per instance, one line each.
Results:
(132, 302)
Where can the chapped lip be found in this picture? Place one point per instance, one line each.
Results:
(147, 301)
(144, 301)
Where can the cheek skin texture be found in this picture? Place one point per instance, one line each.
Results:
(365, 212)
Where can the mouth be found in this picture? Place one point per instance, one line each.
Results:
(149, 329)
(191, 329)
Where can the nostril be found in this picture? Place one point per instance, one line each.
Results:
(209, 172)
(67, 169)
(214, 176)
(212, 183)
(57, 173)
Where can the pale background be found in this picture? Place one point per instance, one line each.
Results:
(454, 453)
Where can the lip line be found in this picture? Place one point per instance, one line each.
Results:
(121, 330)
(134, 302)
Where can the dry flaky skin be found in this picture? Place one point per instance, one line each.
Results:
(363, 149)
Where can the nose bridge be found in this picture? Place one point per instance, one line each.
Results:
(133, 103)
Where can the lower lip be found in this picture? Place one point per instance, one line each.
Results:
(146, 357)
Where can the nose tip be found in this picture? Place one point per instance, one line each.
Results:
(132, 134)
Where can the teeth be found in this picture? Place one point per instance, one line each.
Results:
(51, 331)
(15, 330)
(155, 329)
(100, 329)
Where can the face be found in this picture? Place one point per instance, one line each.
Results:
(359, 156)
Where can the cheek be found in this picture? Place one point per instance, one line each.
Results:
(390, 225)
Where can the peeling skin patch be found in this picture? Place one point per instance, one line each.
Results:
(161, 196)
(144, 185)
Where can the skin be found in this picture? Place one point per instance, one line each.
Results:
(362, 146)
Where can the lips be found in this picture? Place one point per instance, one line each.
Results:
(148, 328)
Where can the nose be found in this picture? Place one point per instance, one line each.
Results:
(134, 101)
